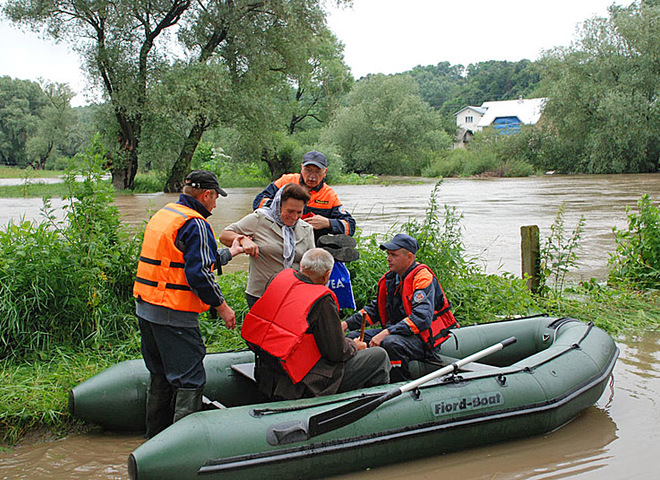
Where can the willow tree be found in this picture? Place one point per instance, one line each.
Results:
(603, 94)
(386, 127)
(245, 70)
(127, 46)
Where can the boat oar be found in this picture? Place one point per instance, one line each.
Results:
(341, 416)
(362, 326)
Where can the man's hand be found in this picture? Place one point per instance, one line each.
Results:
(360, 345)
(227, 314)
(376, 341)
(318, 222)
(344, 325)
(249, 247)
(236, 247)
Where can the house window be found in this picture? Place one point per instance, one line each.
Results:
(469, 119)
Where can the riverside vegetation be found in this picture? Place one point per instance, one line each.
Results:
(67, 313)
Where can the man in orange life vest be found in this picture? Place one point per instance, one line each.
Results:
(411, 307)
(324, 211)
(295, 331)
(174, 283)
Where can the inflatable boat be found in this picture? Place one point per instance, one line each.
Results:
(488, 383)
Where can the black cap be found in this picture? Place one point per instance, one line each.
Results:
(401, 240)
(204, 180)
(315, 158)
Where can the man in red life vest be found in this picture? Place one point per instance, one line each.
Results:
(324, 211)
(174, 283)
(411, 306)
(295, 331)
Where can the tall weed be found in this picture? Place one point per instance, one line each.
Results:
(559, 254)
(475, 296)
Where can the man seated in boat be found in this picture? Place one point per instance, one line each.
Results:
(295, 331)
(411, 307)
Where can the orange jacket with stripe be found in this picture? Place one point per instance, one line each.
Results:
(415, 305)
(161, 278)
(323, 201)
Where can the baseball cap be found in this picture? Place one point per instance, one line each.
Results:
(205, 180)
(315, 158)
(401, 240)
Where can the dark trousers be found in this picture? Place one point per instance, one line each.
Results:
(251, 300)
(401, 349)
(368, 368)
(175, 352)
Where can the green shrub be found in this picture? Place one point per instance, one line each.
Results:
(68, 282)
(637, 256)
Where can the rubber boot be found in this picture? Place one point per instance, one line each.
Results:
(160, 397)
(188, 400)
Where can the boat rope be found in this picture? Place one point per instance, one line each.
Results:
(454, 378)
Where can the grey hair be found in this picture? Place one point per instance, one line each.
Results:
(317, 262)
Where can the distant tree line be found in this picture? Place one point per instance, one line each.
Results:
(261, 82)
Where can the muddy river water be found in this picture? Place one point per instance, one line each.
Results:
(617, 438)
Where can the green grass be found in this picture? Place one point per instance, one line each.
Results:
(15, 172)
(34, 393)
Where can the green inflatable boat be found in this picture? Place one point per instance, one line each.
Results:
(489, 383)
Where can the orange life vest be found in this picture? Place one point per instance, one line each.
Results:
(277, 323)
(442, 321)
(160, 278)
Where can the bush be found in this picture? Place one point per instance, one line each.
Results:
(229, 172)
(637, 256)
(68, 282)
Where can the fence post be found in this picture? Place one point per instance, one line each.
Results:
(530, 255)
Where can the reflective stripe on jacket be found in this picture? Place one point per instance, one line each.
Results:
(442, 321)
(160, 278)
(277, 323)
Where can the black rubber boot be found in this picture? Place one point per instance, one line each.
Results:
(188, 400)
(160, 398)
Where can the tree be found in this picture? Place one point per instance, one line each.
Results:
(128, 45)
(603, 93)
(119, 42)
(55, 121)
(21, 104)
(253, 59)
(386, 127)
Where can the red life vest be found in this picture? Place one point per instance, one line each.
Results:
(442, 321)
(277, 323)
(160, 278)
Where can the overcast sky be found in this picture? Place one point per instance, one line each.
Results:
(380, 36)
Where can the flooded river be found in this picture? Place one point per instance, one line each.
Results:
(493, 211)
(615, 439)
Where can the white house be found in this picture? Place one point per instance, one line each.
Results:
(468, 117)
(506, 116)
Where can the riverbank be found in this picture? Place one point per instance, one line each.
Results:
(35, 387)
(35, 391)
(23, 183)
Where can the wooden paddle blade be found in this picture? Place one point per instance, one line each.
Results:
(346, 414)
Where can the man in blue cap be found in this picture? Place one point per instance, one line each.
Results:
(323, 211)
(411, 307)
